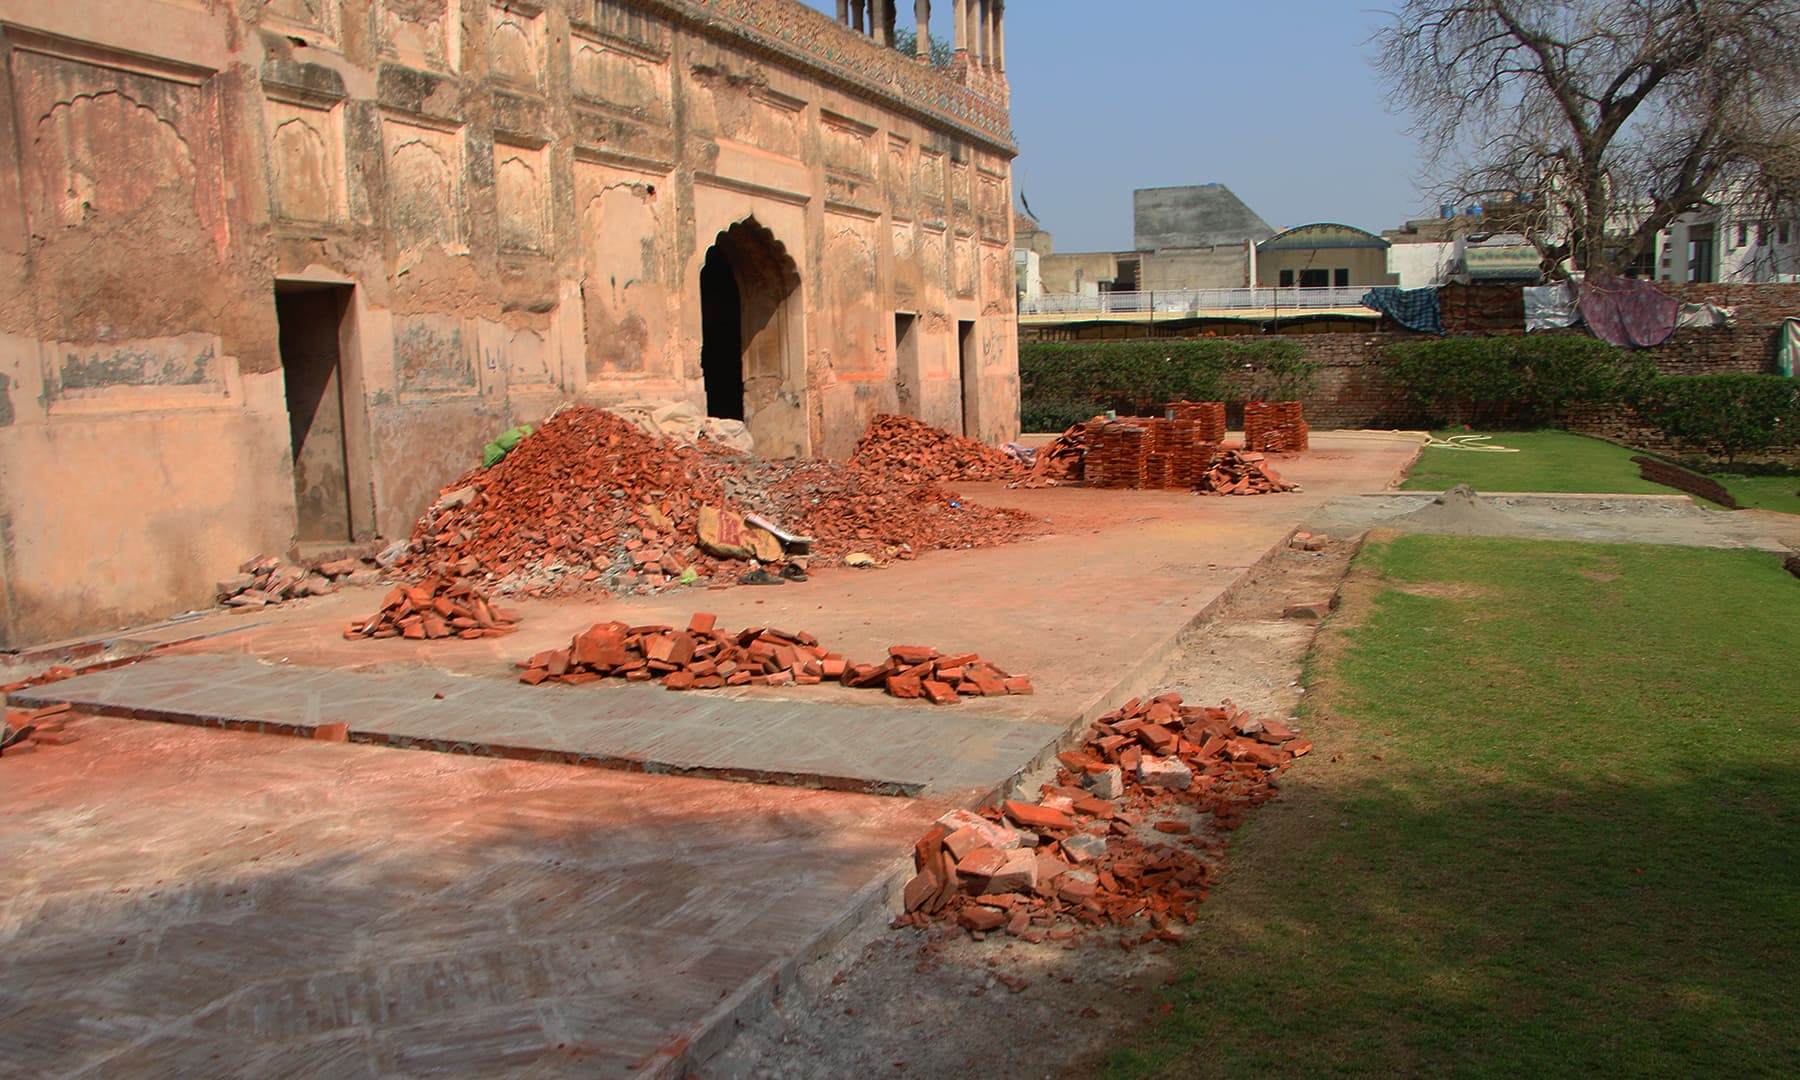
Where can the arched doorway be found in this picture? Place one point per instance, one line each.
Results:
(750, 350)
(721, 337)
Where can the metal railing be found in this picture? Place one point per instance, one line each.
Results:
(1179, 302)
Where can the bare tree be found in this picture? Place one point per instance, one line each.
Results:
(1591, 125)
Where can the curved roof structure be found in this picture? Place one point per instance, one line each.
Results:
(1322, 234)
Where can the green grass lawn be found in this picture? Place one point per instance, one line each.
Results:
(1764, 492)
(1546, 461)
(1552, 828)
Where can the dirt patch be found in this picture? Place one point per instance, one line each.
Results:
(941, 1003)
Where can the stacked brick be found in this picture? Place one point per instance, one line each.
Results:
(1275, 426)
(1114, 838)
(1208, 418)
(438, 607)
(1151, 452)
(703, 657)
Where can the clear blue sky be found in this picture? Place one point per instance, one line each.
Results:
(1276, 101)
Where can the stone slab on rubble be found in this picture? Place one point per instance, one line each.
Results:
(886, 751)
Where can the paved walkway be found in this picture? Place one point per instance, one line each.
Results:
(906, 749)
(189, 903)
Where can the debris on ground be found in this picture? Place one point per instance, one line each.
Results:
(1240, 472)
(592, 501)
(703, 657)
(913, 452)
(24, 730)
(438, 607)
(1275, 427)
(1115, 837)
(860, 508)
(269, 579)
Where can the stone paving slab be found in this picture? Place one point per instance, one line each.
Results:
(905, 750)
(197, 903)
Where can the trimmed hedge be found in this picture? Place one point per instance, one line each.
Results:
(1509, 382)
(1723, 415)
(1064, 383)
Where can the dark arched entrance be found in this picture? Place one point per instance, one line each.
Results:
(721, 341)
(750, 350)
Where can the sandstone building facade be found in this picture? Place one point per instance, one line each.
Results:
(276, 269)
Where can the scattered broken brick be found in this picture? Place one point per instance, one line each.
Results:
(438, 607)
(1242, 472)
(266, 580)
(1058, 462)
(1096, 863)
(703, 657)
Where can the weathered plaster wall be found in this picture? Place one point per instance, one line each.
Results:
(513, 201)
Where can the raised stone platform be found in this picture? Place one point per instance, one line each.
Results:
(903, 750)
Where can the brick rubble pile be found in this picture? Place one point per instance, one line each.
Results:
(438, 607)
(1060, 461)
(863, 508)
(1115, 837)
(561, 508)
(592, 501)
(912, 451)
(703, 657)
(1240, 472)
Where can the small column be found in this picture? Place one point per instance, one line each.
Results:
(922, 16)
(972, 29)
(881, 20)
(960, 9)
(986, 23)
(844, 12)
(999, 35)
(856, 15)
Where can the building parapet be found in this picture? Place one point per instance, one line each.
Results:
(968, 96)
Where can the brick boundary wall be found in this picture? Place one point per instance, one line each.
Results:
(1352, 393)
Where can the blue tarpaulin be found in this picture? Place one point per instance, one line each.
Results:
(1415, 309)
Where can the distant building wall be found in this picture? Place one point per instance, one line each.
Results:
(1222, 267)
(1418, 265)
(1078, 272)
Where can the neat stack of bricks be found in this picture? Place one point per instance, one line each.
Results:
(1150, 452)
(703, 657)
(1207, 416)
(438, 607)
(1277, 426)
(1115, 837)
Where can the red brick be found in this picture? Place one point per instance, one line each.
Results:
(939, 693)
(1037, 817)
